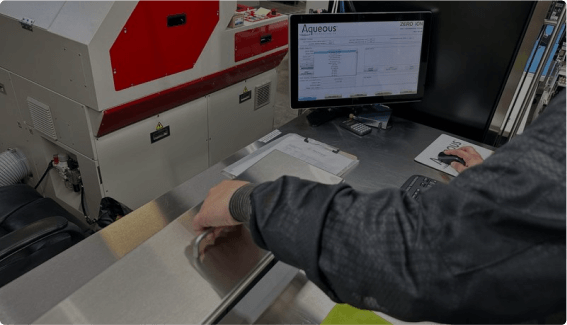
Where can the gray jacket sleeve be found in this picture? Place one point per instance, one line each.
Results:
(488, 247)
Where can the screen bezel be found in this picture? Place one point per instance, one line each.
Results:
(297, 20)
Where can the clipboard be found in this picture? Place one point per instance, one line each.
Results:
(313, 152)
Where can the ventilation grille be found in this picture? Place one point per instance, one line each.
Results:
(262, 96)
(41, 118)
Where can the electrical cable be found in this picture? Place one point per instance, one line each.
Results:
(44, 174)
(83, 200)
(87, 218)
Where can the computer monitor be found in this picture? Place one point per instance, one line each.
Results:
(351, 59)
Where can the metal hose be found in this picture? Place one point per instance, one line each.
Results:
(13, 167)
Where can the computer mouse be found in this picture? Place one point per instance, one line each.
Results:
(448, 159)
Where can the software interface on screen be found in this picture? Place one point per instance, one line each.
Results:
(358, 59)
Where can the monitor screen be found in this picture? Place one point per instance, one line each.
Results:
(358, 58)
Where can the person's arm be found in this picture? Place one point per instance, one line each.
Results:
(488, 247)
(378, 251)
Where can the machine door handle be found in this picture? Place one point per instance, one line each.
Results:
(197, 243)
(176, 20)
(265, 39)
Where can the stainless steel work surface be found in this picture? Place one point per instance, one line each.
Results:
(386, 159)
(163, 281)
(25, 299)
(157, 283)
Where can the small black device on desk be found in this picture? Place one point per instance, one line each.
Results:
(416, 184)
(355, 127)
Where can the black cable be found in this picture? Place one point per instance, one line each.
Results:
(83, 200)
(87, 218)
(44, 174)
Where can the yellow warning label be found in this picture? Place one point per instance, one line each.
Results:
(159, 126)
(245, 89)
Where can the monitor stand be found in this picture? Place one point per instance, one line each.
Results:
(324, 115)
(374, 115)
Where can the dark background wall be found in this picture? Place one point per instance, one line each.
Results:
(472, 48)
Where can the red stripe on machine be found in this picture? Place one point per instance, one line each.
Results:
(140, 109)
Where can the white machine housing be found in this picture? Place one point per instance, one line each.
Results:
(57, 90)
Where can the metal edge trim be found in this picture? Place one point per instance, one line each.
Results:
(515, 76)
(240, 288)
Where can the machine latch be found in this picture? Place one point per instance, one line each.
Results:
(265, 39)
(176, 20)
(27, 23)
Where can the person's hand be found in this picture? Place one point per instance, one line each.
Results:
(469, 155)
(214, 211)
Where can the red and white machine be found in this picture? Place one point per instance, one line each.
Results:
(141, 95)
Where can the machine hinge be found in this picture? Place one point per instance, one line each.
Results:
(99, 174)
(27, 23)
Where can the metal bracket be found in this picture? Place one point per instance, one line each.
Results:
(27, 23)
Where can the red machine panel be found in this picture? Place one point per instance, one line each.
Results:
(259, 40)
(161, 38)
